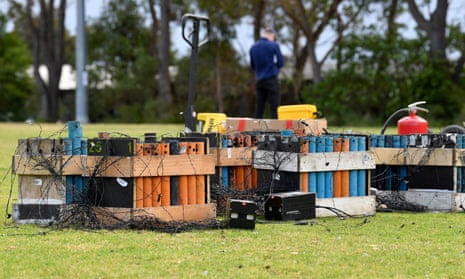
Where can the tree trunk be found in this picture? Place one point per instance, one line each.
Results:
(300, 55)
(155, 27)
(458, 68)
(247, 102)
(218, 81)
(316, 67)
(435, 27)
(48, 49)
(164, 81)
(259, 13)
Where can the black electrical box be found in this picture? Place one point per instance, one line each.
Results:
(98, 147)
(111, 192)
(122, 146)
(241, 214)
(269, 181)
(290, 206)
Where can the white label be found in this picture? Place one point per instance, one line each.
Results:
(122, 182)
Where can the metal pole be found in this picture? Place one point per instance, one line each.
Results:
(195, 43)
(81, 74)
(191, 114)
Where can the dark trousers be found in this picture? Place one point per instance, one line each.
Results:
(267, 90)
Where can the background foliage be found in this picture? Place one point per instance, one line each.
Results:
(16, 88)
(357, 60)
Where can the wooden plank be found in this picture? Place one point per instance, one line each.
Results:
(314, 162)
(355, 206)
(194, 164)
(74, 164)
(309, 126)
(109, 166)
(187, 213)
(23, 147)
(37, 146)
(271, 160)
(459, 202)
(234, 156)
(334, 161)
(37, 165)
(415, 156)
(199, 213)
(431, 199)
(115, 166)
(389, 156)
(459, 157)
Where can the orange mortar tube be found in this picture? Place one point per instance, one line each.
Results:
(183, 181)
(345, 173)
(139, 195)
(151, 183)
(191, 179)
(240, 170)
(200, 179)
(337, 175)
(248, 169)
(254, 170)
(165, 180)
(304, 175)
(254, 178)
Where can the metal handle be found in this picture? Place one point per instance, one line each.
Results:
(414, 106)
(195, 42)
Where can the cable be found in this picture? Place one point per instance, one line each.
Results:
(388, 121)
(339, 213)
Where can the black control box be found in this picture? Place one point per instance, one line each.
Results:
(290, 206)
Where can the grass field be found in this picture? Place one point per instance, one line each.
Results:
(387, 245)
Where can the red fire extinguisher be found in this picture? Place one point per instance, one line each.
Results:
(413, 124)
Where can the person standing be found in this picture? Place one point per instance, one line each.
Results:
(266, 61)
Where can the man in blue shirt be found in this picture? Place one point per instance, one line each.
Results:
(266, 60)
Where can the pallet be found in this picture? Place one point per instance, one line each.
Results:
(233, 156)
(354, 206)
(433, 200)
(198, 213)
(114, 166)
(313, 162)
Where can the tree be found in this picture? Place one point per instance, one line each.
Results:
(457, 43)
(434, 27)
(438, 79)
(224, 16)
(312, 19)
(16, 101)
(161, 39)
(120, 49)
(47, 32)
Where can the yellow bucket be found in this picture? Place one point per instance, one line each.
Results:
(296, 112)
(211, 122)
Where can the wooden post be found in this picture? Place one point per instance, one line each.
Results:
(200, 179)
(345, 173)
(337, 175)
(191, 179)
(304, 175)
(183, 181)
(139, 189)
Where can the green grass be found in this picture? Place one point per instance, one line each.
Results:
(387, 245)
